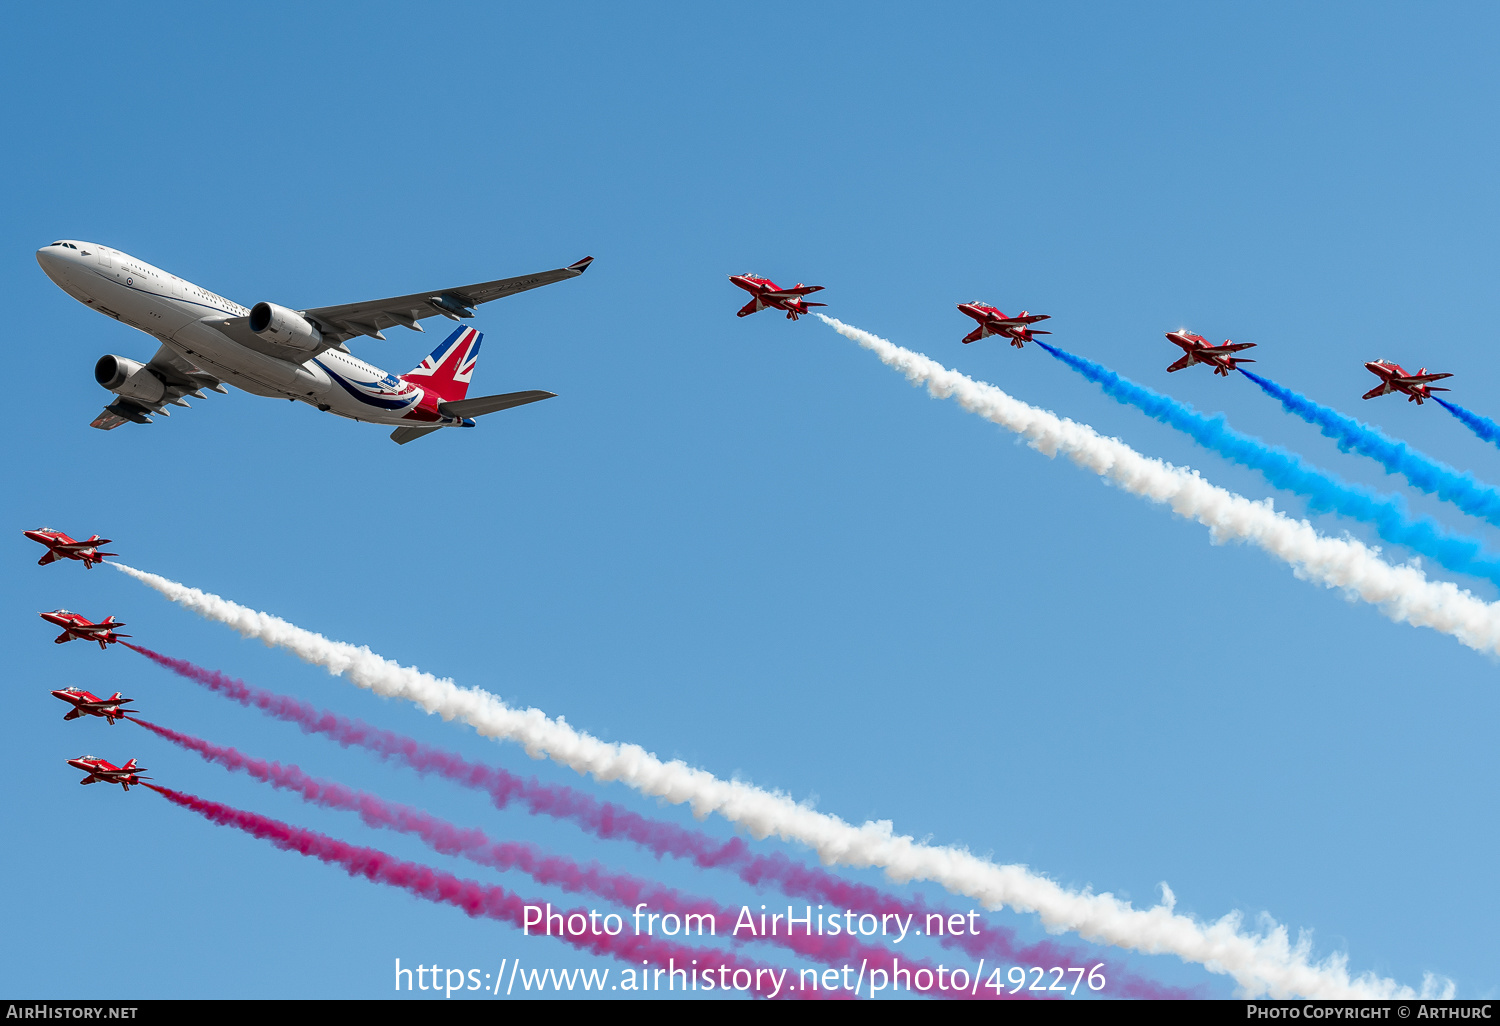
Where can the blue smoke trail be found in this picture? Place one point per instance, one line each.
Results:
(1462, 489)
(1283, 469)
(1481, 426)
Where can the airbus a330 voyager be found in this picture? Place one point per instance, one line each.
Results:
(208, 341)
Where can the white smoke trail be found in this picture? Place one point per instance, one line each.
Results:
(1402, 593)
(1267, 963)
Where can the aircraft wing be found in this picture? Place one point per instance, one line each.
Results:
(1234, 347)
(792, 293)
(1186, 361)
(181, 378)
(1422, 379)
(340, 323)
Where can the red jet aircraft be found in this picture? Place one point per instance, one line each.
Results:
(993, 322)
(86, 704)
(1393, 378)
(768, 294)
(1195, 349)
(75, 626)
(60, 546)
(99, 770)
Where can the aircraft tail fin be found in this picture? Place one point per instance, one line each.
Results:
(447, 370)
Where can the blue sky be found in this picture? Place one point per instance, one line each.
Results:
(745, 543)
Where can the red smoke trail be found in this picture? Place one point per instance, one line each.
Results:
(474, 898)
(563, 872)
(613, 822)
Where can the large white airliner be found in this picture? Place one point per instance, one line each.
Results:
(208, 341)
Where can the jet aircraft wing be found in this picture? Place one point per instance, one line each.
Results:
(340, 323)
(180, 378)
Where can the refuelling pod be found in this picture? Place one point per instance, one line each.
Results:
(286, 329)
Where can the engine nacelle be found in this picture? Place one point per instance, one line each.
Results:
(130, 379)
(285, 328)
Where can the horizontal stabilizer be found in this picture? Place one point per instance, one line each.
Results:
(481, 405)
(402, 435)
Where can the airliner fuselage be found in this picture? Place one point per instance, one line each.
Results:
(270, 350)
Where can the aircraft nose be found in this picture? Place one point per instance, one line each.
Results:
(52, 261)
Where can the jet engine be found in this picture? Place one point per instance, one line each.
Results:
(285, 328)
(130, 379)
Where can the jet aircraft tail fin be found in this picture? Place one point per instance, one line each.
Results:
(446, 372)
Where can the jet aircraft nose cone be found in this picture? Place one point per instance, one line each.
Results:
(54, 262)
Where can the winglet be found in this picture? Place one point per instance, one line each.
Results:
(582, 265)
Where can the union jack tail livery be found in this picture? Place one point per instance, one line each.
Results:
(446, 372)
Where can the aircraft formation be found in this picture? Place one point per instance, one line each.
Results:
(274, 351)
(207, 342)
(76, 627)
(1018, 331)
